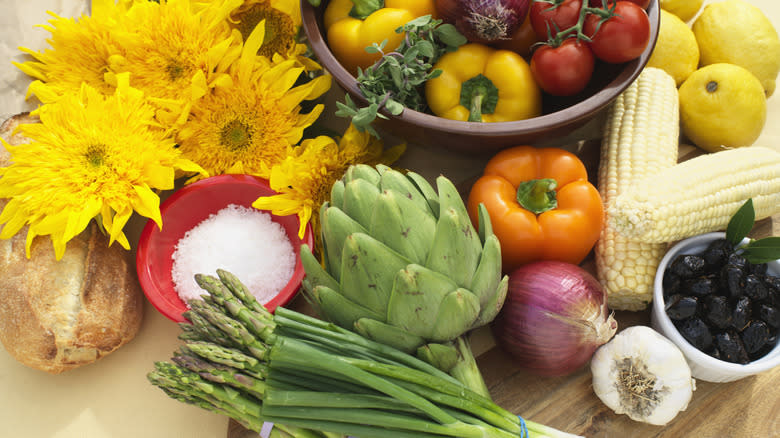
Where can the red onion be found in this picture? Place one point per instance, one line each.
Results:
(554, 318)
(484, 21)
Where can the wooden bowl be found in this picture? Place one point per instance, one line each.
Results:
(560, 115)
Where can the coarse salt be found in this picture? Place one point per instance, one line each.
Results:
(241, 240)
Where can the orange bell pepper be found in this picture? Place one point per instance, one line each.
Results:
(541, 205)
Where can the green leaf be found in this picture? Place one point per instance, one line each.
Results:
(376, 48)
(741, 223)
(394, 107)
(396, 80)
(450, 36)
(421, 21)
(345, 110)
(762, 250)
(425, 48)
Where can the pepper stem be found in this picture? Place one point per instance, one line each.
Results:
(364, 8)
(480, 96)
(537, 195)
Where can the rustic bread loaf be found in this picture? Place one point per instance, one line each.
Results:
(58, 315)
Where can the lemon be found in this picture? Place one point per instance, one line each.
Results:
(736, 32)
(722, 106)
(684, 9)
(676, 51)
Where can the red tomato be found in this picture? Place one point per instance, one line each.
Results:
(622, 37)
(564, 70)
(546, 16)
(643, 3)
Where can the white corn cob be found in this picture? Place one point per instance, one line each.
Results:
(699, 195)
(641, 138)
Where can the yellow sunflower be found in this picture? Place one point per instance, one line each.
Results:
(247, 125)
(282, 26)
(91, 156)
(177, 51)
(304, 179)
(80, 49)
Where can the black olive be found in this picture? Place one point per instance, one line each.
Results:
(670, 283)
(741, 315)
(755, 336)
(770, 315)
(731, 347)
(717, 253)
(715, 353)
(759, 269)
(688, 265)
(773, 282)
(755, 288)
(716, 311)
(682, 308)
(773, 285)
(696, 332)
(701, 286)
(732, 281)
(737, 260)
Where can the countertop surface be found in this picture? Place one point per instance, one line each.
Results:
(112, 398)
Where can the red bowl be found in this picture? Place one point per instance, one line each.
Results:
(185, 209)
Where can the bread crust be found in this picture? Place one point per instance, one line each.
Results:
(59, 315)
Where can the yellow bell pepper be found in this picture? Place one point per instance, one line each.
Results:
(353, 25)
(482, 84)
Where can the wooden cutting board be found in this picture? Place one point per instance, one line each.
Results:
(746, 408)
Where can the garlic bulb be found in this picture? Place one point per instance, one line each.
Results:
(642, 374)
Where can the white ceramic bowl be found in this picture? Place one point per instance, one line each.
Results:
(704, 366)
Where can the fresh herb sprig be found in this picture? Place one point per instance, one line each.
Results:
(756, 251)
(394, 82)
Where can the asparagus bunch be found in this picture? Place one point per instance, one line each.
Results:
(313, 379)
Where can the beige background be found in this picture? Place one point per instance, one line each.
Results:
(112, 398)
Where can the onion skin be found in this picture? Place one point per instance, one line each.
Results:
(484, 21)
(554, 318)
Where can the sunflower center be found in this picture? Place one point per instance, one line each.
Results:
(236, 135)
(279, 28)
(95, 155)
(175, 69)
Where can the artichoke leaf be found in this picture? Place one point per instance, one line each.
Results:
(368, 269)
(488, 272)
(359, 198)
(415, 305)
(442, 356)
(315, 273)
(389, 335)
(362, 171)
(338, 309)
(337, 194)
(457, 313)
(485, 225)
(336, 226)
(456, 249)
(400, 224)
(489, 310)
(398, 182)
(427, 190)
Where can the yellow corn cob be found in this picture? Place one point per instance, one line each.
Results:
(641, 137)
(699, 195)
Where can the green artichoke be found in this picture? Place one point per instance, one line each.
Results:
(404, 266)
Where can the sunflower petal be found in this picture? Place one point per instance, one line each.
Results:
(159, 177)
(147, 204)
(119, 222)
